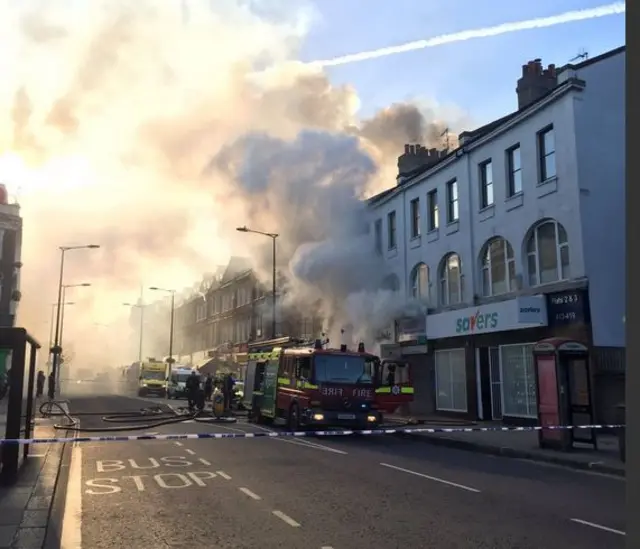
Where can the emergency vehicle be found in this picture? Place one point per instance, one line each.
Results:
(176, 386)
(308, 385)
(394, 385)
(153, 378)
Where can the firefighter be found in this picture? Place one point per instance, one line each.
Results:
(192, 386)
(40, 383)
(208, 387)
(228, 384)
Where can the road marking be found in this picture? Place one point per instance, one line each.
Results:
(151, 433)
(435, 479)
(306, 443)
(286, 518)
(599, 526)
(249, 493)
(71, 537)
(178, 444)
(204, 462)
(190, 452)
(223, 475)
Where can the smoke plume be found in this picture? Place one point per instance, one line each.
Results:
(128, 125)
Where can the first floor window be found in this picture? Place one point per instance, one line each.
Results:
(518, 381)
(451, 380)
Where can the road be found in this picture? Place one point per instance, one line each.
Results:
(346, 493)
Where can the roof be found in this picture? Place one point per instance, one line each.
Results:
(473, 135)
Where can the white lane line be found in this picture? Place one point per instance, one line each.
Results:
(151, 433)
(204, 462)
(249, 493)
(286, 518)
(223, 475)
(178, 444)
(599, 526)
(435, 479)
(306, 443)
(191, 452)
(71, 537)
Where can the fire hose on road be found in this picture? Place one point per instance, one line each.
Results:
(144, 418)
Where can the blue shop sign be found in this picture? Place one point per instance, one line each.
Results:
(568, 307)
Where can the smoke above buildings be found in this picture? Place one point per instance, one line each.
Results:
(127, 125)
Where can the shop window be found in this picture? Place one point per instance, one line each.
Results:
(451, 380)
(518, 381)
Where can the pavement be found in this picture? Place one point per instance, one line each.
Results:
(524, 445)
(332, 493)
(26, 505)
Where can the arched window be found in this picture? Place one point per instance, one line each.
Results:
(451, 280)
(420, 281)
(498, 268)
(548, 254)
(391, 283)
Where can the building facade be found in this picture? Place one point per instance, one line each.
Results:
(10, 248)
(516, 236)
(216, 322)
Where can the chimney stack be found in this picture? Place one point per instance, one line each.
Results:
(417, 156)
(535, 82)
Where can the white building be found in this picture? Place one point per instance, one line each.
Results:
(516, 236)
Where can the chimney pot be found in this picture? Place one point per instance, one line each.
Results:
(407, 148)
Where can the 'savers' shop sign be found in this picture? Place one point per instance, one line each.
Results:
(513, 314)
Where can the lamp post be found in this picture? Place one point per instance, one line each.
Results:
(53, 310)
(57, 349)
(173, 307)
(273, 237)
(140, 306)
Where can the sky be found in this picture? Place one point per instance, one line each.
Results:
(479, 76)
(190, 122)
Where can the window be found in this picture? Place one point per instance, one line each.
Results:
(391, 220)
(391, 283)
(432, 205)
(415, 218)
(378, 236)
(450, 280)
(518, 381)
(342, 369)
(498, 268)
(514, 174)
(452, 201)
(451, 380)
(486, 184)
(547, 149)
(420, 281)
(548, 254)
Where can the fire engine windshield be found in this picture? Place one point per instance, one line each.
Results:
(343, 369)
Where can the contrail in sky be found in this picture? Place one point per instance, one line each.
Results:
(615, 8)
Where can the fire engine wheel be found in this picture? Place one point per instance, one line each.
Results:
(293, 420)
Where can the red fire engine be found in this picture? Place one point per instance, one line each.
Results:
(309, 385)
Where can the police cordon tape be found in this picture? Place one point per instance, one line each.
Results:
(299, 434)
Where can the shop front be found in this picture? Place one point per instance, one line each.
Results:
(482, 359)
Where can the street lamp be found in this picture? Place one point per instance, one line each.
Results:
(273, 237)
(57, 349)
(173, 307)
(53, 310)
(140, 306)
